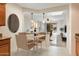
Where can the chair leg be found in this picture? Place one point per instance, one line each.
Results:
(17, 49)
(41, 45)
(46, 44)
(36, 47)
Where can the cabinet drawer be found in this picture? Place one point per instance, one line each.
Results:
(2, 42)
(4, 50)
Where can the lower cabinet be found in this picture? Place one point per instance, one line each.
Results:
(77, 47)
(5, 47)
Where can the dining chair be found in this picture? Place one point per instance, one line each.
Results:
(24, 43)
(41, 39)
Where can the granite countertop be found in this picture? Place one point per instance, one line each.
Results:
(77, 36)
(4, 37)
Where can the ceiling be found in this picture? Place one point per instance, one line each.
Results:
(39, 6)
(58, 15)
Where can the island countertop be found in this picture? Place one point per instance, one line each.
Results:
(77, 36)
(4, 37)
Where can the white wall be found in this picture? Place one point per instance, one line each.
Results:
(27, 21)
(12, 8)
(38, 17)
(60, 24)
(68, 34)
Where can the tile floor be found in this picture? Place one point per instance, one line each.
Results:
(57, 41)
(51, 51)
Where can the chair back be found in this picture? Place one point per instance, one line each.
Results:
(21, 41)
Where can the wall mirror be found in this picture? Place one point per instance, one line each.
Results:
(13, 23)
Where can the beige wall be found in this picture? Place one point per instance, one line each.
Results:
(74, 25)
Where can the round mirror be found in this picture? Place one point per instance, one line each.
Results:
(13, 23)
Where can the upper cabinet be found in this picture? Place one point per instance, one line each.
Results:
(2, 14)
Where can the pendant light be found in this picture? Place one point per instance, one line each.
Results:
(32, 16)
(43, 17)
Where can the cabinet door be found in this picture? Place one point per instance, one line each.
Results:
(77, 48)
(4, 50)
(2, 14)
(5, 47)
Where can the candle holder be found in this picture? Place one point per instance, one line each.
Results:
(35, 32)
